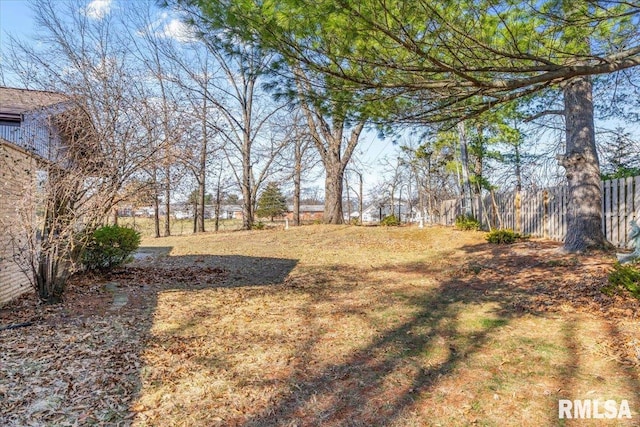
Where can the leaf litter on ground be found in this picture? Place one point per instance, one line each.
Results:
(189, 346)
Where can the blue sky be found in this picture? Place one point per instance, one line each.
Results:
(15, 18)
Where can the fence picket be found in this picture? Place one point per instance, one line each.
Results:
(630, 209)
(603, 208)
(615, 216)
(544, 213)
(636, 195)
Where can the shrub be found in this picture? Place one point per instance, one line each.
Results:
(390, 221)
(258, 225)
(110, 246)
(467, 222)
(503, 236)
(623, 277)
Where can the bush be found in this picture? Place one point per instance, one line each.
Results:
(467, 222)
(623, 277)
(390, 221)
(258, 225)
(110, 246)
(503, 236)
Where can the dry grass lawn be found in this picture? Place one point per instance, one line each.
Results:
(363, 326)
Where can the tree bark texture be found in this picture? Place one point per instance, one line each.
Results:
(297, 178)
(167, 201)
(335, 152)
(247, 195)
(202, 172)
(333, 193)
(464, 162)
(584, 216)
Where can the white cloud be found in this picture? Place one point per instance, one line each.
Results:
(178, 30)
(98, 9)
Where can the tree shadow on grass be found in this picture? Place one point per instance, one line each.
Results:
(409, 359)
(358, 391)
(89, 351)
(380, 383)
(229, 270)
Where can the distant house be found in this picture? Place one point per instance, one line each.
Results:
(28, 137)
(229, 212)
(185, 211)
(373, 213)
(307, 212)
(376, 212)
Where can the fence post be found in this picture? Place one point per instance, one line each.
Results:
(630, 207)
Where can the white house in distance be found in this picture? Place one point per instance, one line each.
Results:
(376, 212)
(28, 137)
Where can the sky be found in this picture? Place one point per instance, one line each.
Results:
(16, 18)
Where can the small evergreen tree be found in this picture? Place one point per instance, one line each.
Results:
(621, 158)
(271, 203)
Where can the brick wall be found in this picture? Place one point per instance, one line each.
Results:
(306, 216)
(17, 169)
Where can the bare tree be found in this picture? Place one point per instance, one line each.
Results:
(233, 107)
(181, 70)
(328, 121)
(101, 146)
(301, 153)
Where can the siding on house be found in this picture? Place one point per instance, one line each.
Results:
(17, 169)
(307, 212)
(25, 119)
(27, 133)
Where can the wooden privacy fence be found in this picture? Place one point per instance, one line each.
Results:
(544, 213)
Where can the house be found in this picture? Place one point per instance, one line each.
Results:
(28, 137)
(185, 211)
(378, 211)
(229, 212)
(307, 212)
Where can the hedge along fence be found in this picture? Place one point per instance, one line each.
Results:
(543, 213)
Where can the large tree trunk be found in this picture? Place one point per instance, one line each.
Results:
(216, 223)
(167, 202)
(464, 162)
(333, 193)
(328, 138)
(297, 178)
(156, 204)
(202, 173)
(247, 203)
(156, 215)
(201, 203)
(584, 216)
